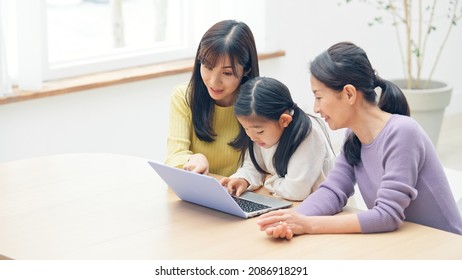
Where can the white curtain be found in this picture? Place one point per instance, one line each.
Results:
(5, 82)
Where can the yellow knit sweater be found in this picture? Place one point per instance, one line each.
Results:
(182, 141)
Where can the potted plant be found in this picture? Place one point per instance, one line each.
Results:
(417, 24)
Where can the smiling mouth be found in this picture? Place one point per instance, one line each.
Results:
(216, 91)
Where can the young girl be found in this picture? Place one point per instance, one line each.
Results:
(284, 150)
(386, 153)
(203, 127)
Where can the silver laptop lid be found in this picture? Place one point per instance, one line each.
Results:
(207, 191)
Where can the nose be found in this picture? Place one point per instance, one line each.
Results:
(215, 78)
(316, 108)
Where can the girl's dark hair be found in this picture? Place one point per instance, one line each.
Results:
(268, 98)
(345, 63)
(225, 38)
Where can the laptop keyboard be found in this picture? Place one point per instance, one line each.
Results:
(249, 206)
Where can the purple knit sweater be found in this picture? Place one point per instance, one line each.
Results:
(400, 178)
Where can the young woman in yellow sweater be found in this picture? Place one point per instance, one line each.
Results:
(203, 129)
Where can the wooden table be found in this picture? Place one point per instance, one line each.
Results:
(106, 206)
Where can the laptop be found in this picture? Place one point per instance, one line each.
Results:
(207, 191)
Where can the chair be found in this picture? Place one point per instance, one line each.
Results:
(455, 181)
(459, 205)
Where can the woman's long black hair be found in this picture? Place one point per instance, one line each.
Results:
(268, 99)
(225, 38)
(345, 63)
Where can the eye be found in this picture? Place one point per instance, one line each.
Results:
(208, 67)
(260, 132)
(228, 73)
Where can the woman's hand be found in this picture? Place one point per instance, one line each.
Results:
(197, 163)
(283, 223)
(237, 185)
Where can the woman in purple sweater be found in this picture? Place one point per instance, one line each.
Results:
(385, 152)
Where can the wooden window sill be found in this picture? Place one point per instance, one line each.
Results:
(111, 78)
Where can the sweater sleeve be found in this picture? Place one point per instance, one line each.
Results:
(248, 172)
(180, 126)
(403, 157)
(305, 169)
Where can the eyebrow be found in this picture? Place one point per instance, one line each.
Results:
(256, 126)
(213, 66)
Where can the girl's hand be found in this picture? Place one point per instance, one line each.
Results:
(283, 223)
(237, 185)
(197, 163)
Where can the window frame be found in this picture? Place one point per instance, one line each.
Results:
(33, 69)
(35, 22)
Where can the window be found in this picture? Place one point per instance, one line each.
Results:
(98, 35)
(56, 39)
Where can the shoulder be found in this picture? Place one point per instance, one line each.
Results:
(401, 120)
(179, 94)
(404, 134)
(179, 91)
(315, 139)
(318, 130)
(403, 126)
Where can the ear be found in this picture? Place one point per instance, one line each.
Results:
(350, 93)
(285, 120)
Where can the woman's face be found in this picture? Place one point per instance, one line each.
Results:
(330, 105)
(221, 82)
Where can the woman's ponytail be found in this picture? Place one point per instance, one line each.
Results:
(392, 99)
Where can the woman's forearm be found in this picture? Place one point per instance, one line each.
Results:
(348, 223)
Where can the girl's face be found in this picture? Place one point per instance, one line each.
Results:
(330, 105)
(221, 82)
(265, 133)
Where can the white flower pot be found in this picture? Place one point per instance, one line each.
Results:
(428, 105)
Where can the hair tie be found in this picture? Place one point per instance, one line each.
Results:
(377, 80)
(292, 109)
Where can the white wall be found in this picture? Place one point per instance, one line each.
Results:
(131, 118)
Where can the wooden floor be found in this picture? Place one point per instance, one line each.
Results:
(449, 145)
